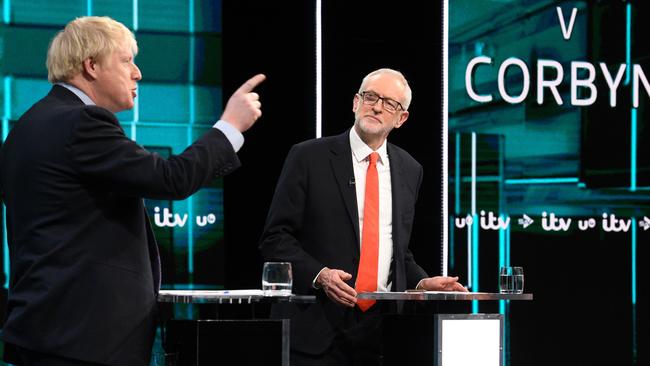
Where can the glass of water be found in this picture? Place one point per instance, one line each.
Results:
(277, 279)
(511, 280)
(518, 276)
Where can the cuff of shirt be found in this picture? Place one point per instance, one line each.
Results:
(232, 134)
(315, 284)
(418, 287)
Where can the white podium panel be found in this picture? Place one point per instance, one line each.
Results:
(469, 339)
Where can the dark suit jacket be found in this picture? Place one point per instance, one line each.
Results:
(84, 263)
(313, 223)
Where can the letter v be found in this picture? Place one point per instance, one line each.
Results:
(566, 33)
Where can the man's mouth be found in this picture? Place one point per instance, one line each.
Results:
(374, 118)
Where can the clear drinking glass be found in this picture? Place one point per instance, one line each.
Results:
(511, 280)
(506, 280)
(277, 279)
(518, 275)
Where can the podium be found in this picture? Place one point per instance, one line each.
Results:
(226, 341)
(442, 339)
(412, 339)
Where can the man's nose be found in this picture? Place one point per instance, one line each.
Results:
(378, 107)
(137, 75)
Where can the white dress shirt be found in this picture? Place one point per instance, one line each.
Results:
(233, 135)
(360, 161)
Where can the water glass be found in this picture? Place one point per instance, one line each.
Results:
(518, 273)
(277, 279)
(511, 280)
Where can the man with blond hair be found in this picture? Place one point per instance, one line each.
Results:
(85, 269)
(342, 215)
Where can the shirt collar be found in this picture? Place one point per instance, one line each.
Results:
(360, 150)
(83, 96)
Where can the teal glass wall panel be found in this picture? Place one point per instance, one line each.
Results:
(208, 104)
(23, 92)
(46, 12)
(120, 10)
(24, 51)
(172, 15)
(126, 116)
(208, 67)
(164, 57)
(207, 16)
(128, 129)
(164, 102)
(174, 137)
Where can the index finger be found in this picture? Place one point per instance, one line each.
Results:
(251, 83)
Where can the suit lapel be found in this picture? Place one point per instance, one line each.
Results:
(341, 162)
(397, 190)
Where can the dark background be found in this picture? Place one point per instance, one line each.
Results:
(277, 38)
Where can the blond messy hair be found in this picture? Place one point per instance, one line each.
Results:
(83, 38)
(407, 89)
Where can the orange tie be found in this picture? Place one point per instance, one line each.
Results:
(367, 274)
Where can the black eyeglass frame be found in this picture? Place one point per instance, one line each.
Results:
(383, 101)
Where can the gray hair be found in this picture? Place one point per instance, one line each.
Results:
(400, 76)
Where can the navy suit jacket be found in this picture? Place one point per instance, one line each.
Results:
(313, 223)
(84, 262)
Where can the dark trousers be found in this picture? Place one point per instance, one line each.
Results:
(25, 357)
(358, 342)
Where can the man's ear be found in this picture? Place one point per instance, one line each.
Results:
(355, 103)
(402, 118)
(90, 68)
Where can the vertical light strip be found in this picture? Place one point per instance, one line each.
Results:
(633, 261)
(135, 15)
(504, 305)
(470, 240)
(633, 172)
(628, 61)
(633, 148)
(191, 60)
(473, 173)
(445, 138)
(473, 255)
(457, 180)
(457, 176)
(192, 95)
(628, 42)
(475, 287)
(7, 81)
(5, 131)
(6, 12)
(319, 69)
(502, 261)
(89, 7)
(634, 322)
(507, 248)
(452, 258)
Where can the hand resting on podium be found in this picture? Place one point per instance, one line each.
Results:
(441, 283)
(332, 281)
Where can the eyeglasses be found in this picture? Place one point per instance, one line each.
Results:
(371, 98)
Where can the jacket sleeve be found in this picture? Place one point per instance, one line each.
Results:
(102, 154)
(414, 273)
(281, 240)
